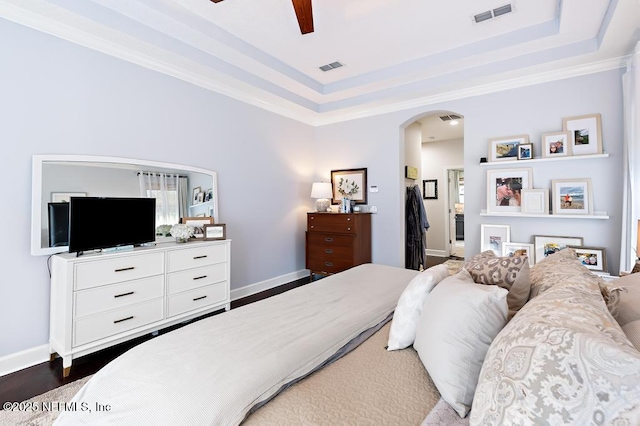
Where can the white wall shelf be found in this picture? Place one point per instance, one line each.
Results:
(205, 203)
(541, 160)
(596, 215)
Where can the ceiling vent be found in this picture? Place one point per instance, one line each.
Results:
(490, 14)
(331, 66)
(450, 117)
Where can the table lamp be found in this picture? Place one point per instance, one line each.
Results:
(322, 191)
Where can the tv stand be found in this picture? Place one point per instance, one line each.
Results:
(102, 299)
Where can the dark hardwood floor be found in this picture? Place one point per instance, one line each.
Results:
(32, 381)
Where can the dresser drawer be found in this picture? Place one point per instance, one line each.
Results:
(115, 296)
(179, 260)
(327, 222)
(197, 277)
(197, 298)
(330, 241)
(118, 269)
(328, 266)
(109, 323)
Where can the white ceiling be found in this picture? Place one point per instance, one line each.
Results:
(397, 53)
(434, 129)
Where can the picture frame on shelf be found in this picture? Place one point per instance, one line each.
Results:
(216, 231)
(493, 236)
(65, 197)
(198, 224)
(350, 178)
(525, 151)
(556, 144)
(594, 258)
(506, 148)
(572, 196)
(194, 194)
(585, 134)
(430, 189)
(200, 197)
(546, 245)
(535, 201)
(504, 189)
(519, 249)
(208, 195)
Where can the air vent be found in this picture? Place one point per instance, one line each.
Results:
(331, 66)
(490, 14)
(450, 117)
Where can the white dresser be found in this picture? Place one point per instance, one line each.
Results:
(101, 299)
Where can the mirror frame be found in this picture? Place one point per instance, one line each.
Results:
(36, 188)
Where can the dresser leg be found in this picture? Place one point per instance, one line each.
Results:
(66, 371)
(53, 356)
(66, 366)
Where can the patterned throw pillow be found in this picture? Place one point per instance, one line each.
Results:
(510, 273)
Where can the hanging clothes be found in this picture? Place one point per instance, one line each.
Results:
(416, 227)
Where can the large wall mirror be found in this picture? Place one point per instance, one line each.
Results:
(56, 178)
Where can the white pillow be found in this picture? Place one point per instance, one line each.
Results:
(459, 321)
(405, 319)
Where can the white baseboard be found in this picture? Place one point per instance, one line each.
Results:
(30, 357)
(437, 253)
(23, 359)
(251, 289)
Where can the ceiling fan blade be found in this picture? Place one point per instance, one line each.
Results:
(304, 14)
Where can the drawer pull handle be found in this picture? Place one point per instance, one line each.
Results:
(328, 251)
(328, 239)
(124, 294)
(130, 268)
(200, 257)
(348, 219)
(348, 229)
(311, 226)
(199, 278)
(199, 298)
(123, 319)
(328, 264)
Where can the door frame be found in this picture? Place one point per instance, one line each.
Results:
(448, 207)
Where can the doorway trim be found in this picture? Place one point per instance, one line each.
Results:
(448, 242)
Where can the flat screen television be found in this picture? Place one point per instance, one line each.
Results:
(98, 223)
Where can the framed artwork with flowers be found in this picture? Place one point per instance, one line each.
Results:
(349, 183)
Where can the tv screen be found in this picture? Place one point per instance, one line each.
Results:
(97, 223)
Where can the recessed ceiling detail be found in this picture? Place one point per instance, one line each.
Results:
(490, 14)
(331, 66)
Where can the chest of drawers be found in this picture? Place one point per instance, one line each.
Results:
(101, 299)
(337, 241)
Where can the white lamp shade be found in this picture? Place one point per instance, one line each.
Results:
(321, 190)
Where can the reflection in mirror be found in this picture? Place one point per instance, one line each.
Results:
(180, 191)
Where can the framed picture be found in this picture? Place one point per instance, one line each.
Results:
(198, 223)
(535, 201)
(208, 195)
(572, 196)
(504, 189)
(430, 189)
(351, 183)
(557, 144)
(525, 151)
(215, 232)
(546, 245)
(493, 236)
(196, 192)
(519, 249)
(65, 197)
(594, 258)
(200, 197)
(506, 148)
(585, 134)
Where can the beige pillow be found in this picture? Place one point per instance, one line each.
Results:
(628, 310)
(510, 273)
(458, 323)
(557, 268)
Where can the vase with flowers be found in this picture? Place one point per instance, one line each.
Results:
(347, 189)
(182, 232)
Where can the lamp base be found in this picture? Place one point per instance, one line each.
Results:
(322, 205)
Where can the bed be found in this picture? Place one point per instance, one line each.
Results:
(318, 355)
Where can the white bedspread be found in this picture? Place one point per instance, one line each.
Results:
(215, 370)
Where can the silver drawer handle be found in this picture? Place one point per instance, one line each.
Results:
(348, 219)
(123, 319)
(311, 226)
(328, 239)
(328, 251)
(328, 264)
(199, 278)
(348, 229)
(124, 294)
(200, 257)
(199, 298)
(130, 268)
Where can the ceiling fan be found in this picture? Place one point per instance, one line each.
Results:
(303, 13)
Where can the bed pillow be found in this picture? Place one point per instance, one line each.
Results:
(407, 313)
(628, 310)
(459, 320)
(510, 273)
(563, 357)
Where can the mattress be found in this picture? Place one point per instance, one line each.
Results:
(215, 370)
